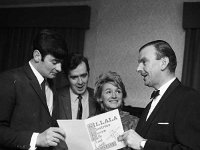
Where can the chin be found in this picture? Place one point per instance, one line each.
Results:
(81, 92)
(51, 76)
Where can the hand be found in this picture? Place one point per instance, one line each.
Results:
(131, 139)
(50, 137)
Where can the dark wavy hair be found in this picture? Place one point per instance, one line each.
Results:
(75, 59)
(50, 42)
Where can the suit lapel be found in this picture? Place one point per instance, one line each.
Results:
(55, 99)
(91, 101)
(65, 98)
(142, 120)
(156, 110)
(36, 86)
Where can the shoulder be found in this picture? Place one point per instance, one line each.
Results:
(13, 74)
(187, 94)
(189, 97)
(64, 89)
(9, 79)
(128, 121)
(90, 90)
(127, 115)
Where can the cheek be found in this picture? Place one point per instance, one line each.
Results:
(72, 82)
(120, 96)
(120, 99)
(85, 80)
(104, 98)
(49, 66)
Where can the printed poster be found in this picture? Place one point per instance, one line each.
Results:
(100, 132)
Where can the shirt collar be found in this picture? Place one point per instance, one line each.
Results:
(74, 96)
(39, 77)
(164, 87)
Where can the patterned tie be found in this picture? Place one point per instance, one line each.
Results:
(155, 94)
(80, 109)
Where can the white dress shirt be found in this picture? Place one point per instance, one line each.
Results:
(155, 101)
(49, 97)
(74, 104)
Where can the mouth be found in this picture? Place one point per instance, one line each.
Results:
(80, 88)
(113, 101)
(54, 73)
(144, 75)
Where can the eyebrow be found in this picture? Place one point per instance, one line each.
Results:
(78, 75)
(142, 59)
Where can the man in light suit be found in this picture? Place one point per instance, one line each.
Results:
(171, 121)
(77, 72)
(26, 117)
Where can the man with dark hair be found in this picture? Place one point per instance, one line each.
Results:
(27, 97)
(171, 120)
(77, 100)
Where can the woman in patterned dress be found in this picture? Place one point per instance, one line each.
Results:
(110, 93)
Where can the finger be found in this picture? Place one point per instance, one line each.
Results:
(58, 130)
(56, 140)
(124, 135)
(52, 143)
(58, 136)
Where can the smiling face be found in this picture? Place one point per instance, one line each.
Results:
(111, 96)
(78, 79)
(149, 67)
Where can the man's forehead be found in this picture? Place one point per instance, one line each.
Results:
(78, 74)
(148, 51)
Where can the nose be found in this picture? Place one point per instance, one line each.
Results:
(59, 67)
(80, 81)
(139, 68)
(114, 95)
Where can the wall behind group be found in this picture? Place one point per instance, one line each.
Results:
(120, 27)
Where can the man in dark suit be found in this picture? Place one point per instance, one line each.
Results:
(26, 117)
(171, 121)
(77, 72)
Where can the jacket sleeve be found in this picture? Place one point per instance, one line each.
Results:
(9, 137)
(186, 126)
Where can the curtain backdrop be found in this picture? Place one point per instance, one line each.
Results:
(16, 44)
(20, 25)
(191, 61)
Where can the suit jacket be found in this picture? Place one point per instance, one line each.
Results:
(65, 111)
(23, 108)
(174, 124)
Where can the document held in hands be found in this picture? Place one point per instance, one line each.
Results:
(100, 132)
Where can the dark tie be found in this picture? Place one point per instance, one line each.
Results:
(155, 94)
(80, 108)
(43, 87)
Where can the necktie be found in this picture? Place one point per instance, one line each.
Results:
(80, 108)
(155, 94)
(43, 87)
(48, 95)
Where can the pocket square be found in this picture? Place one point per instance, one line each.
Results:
(163, 123)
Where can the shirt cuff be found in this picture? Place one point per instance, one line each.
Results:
(33, 141)
(142, 143)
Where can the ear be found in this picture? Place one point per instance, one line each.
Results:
(164, 63)
(37, 56)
